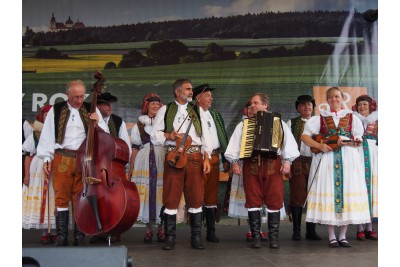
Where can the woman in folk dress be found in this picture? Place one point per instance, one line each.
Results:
(366, 110)
(337, 191)
(35, 198)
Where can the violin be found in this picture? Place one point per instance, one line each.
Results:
(178, 158)
(331, 141)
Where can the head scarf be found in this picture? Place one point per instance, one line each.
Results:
(146, 101)
(43, 110)
(372, 103)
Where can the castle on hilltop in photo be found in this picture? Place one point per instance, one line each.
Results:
(68, 25)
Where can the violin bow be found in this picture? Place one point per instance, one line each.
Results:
(312, 181)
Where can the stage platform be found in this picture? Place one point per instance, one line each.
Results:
(233, 250)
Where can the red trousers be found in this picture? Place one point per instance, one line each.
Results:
(263, 184)
(211, 182)
(188, 180)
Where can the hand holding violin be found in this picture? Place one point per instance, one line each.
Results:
(353, 143)
(172, 135)
(331, 143)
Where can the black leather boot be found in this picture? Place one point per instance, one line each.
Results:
(195, 225)
(170, 231)
(310, 232)
(273, 229)
(79, 237)
(210, 220)
(62, 228)
(255, 226)
(296, 216)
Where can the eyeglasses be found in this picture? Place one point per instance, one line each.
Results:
(78, 97)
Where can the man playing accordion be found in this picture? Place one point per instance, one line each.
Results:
(262, 179)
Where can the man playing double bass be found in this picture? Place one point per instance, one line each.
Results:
(63, 132)
(170, 124)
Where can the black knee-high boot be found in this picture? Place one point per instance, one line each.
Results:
(62, 228)
(310, 232)
(170, 231)
(273, 229)
(79, 237)
(296, 216)
(195, 225)
(255, 226)
(210, 222)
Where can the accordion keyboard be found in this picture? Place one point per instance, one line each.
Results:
(246, 148)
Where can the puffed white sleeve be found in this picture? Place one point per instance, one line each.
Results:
(135, 136)
(28, 129)
(357, 128)
(29, 145)
(157, 133)
(47, 141)
(232, 152)
(123, 134)
(312, 126)
(289, 148)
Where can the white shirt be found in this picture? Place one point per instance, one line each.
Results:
(304, 149)
(28, 129)
(287, 151)
(212, 129)
(123, 134)
(74, 134)
(157, 133)
(372, 117)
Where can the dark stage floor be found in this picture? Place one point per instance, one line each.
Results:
(232, 250)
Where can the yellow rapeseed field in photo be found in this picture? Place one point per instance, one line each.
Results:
(74, 63)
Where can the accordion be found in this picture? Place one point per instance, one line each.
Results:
(262, 135)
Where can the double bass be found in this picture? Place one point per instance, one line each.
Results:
(108, 203)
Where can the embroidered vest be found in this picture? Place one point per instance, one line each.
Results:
(372, 131)
(61, 116)
(114, 124)
(297, 127)
(170, 113)
(344, 128)
(220, 125)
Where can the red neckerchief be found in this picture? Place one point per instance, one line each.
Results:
(335, 111)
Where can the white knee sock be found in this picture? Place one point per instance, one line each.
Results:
(331, 232)
(360, 227)
(342, 232)
(368, 226)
